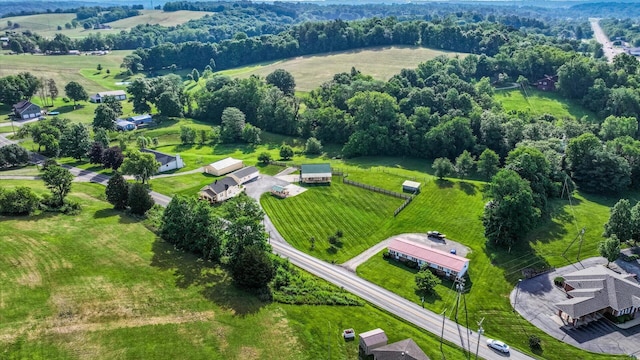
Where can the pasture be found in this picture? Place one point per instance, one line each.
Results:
(100, 285)
(313, 70)
(47, 24)
(541, 102)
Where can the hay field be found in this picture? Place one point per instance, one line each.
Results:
(66, 68)
(47, 24)
(311, 71)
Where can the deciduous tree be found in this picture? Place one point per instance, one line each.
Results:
(105, 118)
(141, 165)
(283, 80)
(117, 191)
(76, 141)
(112, 158)
(75, 92)
(619, 223)
(488, 163)
(286, 152)
(139, 199)
(609, 248)
(233, 121)
(426, 281)
(442, 167)
(464, 164)
(58, 180)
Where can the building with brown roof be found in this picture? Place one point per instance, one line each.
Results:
(596, 291)
(406, 349)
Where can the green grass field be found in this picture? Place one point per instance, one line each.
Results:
(322, 210)
(313, 70)
(65, 68)
(47, 24)
(100, 285)
(540, 102)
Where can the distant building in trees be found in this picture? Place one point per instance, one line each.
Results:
(548, 83)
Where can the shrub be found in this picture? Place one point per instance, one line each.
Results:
(313, 146)
(339, 233)
(333, 239)
(139, 199)
(412, 264)
(65, 99)
(386, 255)
(426, 281)
(558, 280)
(534, 342)
(20, 201)
(264, 158)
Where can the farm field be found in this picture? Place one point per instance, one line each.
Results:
(47, 24)
(65, 68)
(321, 211)
(100, 285)
(540, 102)
(313, 70)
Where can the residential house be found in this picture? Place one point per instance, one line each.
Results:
(595, 291)
(223, 166)
(25, 109)
(99, 97)
(167, 162)
(411, 186)
(279, 191)
(443, 262)
(402, 350)
(245, 174)
(634, 51)
(220, 190)
(315, 174)
(124, 125)
(371, 340)
(141, 120)
(548, 83)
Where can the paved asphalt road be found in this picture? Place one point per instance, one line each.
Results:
(609, 50)
(347, 280)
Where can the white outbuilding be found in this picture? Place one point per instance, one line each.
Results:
(223, 166)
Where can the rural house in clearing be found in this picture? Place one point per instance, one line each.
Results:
(167, 162)
(548, 83)
(124, 125)
(595, 291)
(99, 97)
(220, 190)
(223, 166)
(315, 174)
(245, 174)
(25, 109)
(140, 119)
(444, 263)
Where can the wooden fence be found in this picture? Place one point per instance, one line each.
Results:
(404, 205)
(375, 189)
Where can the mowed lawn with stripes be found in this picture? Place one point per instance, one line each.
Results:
(362, 215)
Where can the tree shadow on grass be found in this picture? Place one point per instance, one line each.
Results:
(215, 283)
(468, 188)
(444, 183)
(516, 262)
(124, 218)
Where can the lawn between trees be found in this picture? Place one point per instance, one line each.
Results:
(102, 285)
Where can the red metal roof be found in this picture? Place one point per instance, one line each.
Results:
(428, 254)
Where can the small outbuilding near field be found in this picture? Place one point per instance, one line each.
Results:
(140, 119)
(411, 186)
(99, 97)
(315, 174)
(223, 166)
(372, 339)
(124, 125)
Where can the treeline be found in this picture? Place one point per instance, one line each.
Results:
(625, 29)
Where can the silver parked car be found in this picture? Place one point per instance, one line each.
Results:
(498, 345)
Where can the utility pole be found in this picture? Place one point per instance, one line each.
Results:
(480, 331)
(515, 301)
(442, 334)
(329, 339)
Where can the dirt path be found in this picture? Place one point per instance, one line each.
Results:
(445, 245)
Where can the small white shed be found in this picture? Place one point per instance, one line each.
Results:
(411, 186)
(223, 166)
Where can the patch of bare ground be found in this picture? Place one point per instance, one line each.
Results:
(287, 343)
(249, 353)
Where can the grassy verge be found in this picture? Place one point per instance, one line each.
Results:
(100, 285)
(30, 170)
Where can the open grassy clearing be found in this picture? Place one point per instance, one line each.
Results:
(322, 210)
(65, 68)
(29, 170)
(100, 285)
(541, 102)
(47, 24)
(313, 70)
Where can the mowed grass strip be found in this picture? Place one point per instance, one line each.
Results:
(538, 103)
(322, 210)
(100, 285)
(313, 70)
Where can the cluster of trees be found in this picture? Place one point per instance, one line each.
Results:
(14, 88)
(624, 29)
(238, 237)
(13, 155)
(623, 226)
(23, 200)
(121, 195)
(166, 93)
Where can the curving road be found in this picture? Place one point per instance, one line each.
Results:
(347, 280)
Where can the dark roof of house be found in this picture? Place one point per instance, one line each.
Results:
(220, 185)
(23, 105)
(139, 117)
(315, 169)
(549, 78)
(597, 288)
(402, 350)
(162, 158)
(244, 171)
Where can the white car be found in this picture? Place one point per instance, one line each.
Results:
(498, 345)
